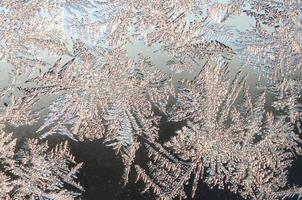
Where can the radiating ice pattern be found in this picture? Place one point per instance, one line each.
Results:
(72, 69)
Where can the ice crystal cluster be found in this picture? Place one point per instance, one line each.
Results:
(66, 69)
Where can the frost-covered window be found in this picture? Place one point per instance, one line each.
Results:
(177, 97)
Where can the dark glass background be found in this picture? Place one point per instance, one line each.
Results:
(102, 170)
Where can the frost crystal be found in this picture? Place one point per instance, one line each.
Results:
(35, 172)
(70, 68)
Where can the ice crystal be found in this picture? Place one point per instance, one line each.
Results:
(37, 172)
(70, 73)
